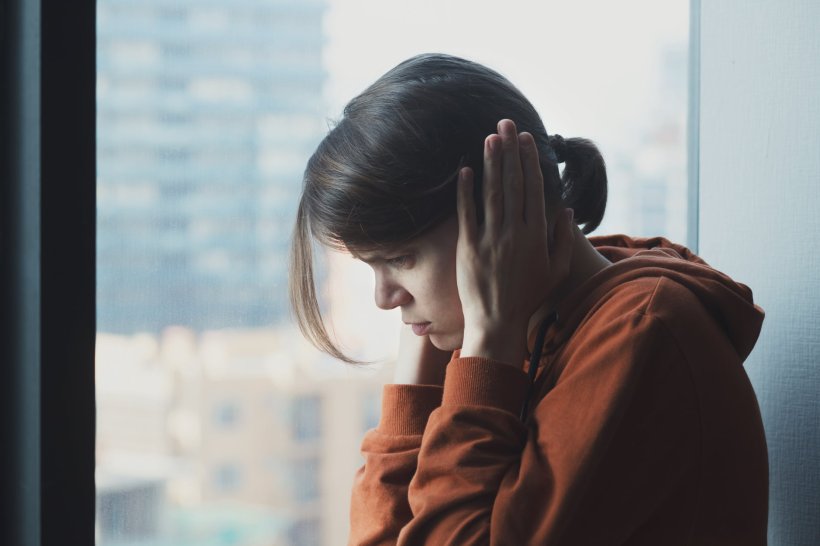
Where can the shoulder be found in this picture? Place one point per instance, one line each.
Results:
(661, 296)
(635, 318)
(657, 296)
(628, 302)
(649, 297)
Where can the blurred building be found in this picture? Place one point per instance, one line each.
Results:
(648, 169)
(659, 192)
(225, 420)
(207, 112)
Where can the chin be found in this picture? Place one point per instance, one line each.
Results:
(444, 342)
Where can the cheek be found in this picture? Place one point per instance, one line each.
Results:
(455, 314)
(438, 296)
(452, 284)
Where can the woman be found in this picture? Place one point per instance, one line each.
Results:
(550, 388)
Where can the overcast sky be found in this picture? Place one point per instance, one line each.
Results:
(590, 67)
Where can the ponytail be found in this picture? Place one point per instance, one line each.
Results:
(583, 182)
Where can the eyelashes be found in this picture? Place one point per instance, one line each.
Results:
(405, 260)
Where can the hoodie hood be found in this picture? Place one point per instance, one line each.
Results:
(729, 302)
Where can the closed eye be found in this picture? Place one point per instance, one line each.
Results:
(400, 261)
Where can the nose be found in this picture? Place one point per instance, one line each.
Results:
(390, 294)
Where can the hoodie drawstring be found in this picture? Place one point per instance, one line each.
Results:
(535, 358)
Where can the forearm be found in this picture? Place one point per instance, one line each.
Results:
(379, 505)
(470, 444)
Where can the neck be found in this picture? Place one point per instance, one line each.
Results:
(585, 262)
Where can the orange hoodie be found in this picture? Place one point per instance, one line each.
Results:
(643, 430)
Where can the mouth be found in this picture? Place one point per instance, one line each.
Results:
(419, 328)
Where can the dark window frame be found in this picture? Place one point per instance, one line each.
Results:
(47, 228)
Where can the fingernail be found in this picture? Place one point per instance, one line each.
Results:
(491, 145)
(570, 215)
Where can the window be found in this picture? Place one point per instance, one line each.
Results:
(129, 511)
(306, 479)
(227, 477)
(305, 532)
(306, 418)
(371, 410)
(226, 415)
(205, 120)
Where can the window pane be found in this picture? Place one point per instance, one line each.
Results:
(217, 423)
(306, 418)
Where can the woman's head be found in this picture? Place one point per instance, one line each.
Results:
(386, 173)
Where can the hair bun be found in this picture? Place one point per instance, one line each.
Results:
(559, 147)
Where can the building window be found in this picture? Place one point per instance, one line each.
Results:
(226, 414)
(306, 479)
(305, 532)
(227, 477)
(306, 422)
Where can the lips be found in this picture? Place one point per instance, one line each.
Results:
(420, 328)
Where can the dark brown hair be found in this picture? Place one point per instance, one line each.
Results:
(386, 172)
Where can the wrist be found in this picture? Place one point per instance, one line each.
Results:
(507, 344)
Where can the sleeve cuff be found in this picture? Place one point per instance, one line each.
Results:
(476, 381)
(406, 408)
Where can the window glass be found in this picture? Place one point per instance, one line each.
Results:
(371, 410)
(306, 418)
(306, 476)
(217, 423)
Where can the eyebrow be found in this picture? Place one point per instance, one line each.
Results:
(365, 258)
(375, 257)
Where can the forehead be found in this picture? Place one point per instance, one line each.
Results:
(369, 255)
(440, 239)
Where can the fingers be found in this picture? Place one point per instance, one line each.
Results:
(513, 187)
(465, 205)
(533, 190)
(492, 188)
(511, 171)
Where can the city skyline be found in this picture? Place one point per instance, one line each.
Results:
(205, 115)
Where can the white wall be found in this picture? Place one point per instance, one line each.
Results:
(759, 116)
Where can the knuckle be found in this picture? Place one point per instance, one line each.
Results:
(495, 198)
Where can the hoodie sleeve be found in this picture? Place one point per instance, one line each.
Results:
(608, 443)
(379, 507)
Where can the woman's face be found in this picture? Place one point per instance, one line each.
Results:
(420, 278)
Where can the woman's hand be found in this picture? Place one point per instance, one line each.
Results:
(419, 362)
(505, 268)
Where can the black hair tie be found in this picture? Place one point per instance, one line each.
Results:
(559, 147)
